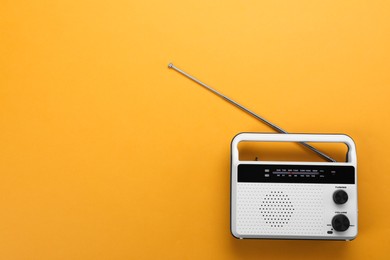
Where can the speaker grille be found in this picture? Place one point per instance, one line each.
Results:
(279, 209)
(276, 209)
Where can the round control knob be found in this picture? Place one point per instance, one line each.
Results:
(340, 222)
(340, 197)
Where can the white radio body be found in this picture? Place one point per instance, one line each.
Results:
(294, 200)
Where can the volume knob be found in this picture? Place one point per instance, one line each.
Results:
(340, 197)
(340, 222)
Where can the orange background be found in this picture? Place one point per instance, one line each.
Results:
(107, 154)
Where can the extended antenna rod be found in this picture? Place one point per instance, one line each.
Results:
(273, 126)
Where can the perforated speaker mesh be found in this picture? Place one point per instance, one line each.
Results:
(279, 209)
(276, 209)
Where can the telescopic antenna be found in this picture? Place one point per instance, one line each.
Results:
(262, 119)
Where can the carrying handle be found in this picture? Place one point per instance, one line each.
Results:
(320, 138)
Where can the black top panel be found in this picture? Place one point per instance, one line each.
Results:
(296, 173)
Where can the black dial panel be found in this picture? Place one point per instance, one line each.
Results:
(282, 173)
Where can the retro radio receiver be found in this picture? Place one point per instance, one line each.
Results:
(294, 199)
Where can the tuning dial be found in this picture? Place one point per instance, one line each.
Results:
(340, 197)
(340, 222)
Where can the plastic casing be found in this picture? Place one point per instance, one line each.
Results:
(247, 211)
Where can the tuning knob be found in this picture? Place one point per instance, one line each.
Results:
(340, 222)
(340, 197)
